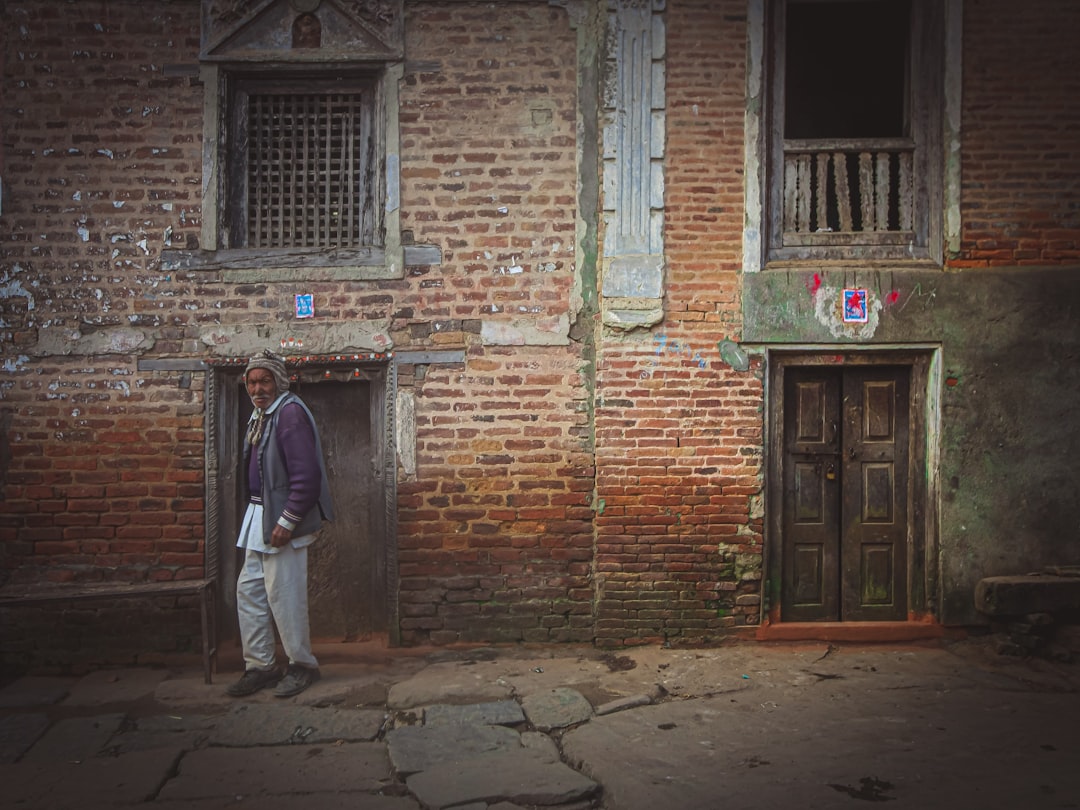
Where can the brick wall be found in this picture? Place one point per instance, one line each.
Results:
(558, 495)
(494, 533)
(103, 470)
(101, 157)
(1021, 153)
(678, 431)
(102, 129)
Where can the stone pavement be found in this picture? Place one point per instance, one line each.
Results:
(743, 725)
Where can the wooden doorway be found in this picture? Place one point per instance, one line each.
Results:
(353, 565)
(848, 542)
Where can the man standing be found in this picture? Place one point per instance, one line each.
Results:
(288, 499)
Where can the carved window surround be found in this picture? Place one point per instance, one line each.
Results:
(285, 39)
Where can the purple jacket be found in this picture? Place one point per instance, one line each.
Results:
(286, 473)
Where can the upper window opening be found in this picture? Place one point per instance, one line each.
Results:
(847, 70)
(854, 152)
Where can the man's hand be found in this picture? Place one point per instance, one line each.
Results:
(281, 536)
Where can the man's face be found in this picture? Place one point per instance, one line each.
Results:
(261, 387)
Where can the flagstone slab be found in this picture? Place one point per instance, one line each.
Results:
(281, 770)
(93, 784)
(291, 724)
(497, 713)
(556, 708)
(18, 732)
(450, 682)
(186, 732)
(522, 776)
(75, 739)
(114, 686)
(31, 691)
(418, 748)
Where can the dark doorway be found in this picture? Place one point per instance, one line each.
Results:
(352, 565)
(844, 484)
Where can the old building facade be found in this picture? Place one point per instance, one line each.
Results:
(625, 321)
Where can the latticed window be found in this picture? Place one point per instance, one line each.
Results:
(302, 172)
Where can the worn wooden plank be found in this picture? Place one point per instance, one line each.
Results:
(843, 191)
(822, 192)
(253, 259)
(62, 592)
(802, 196)
(906, 191)
(881, 191)
(866, 191)
(349, 191)
(790, 187)
(170, 364)
(851, 238)
(293, 258)
(815, 145)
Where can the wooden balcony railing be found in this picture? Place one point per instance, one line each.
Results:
(848, 192)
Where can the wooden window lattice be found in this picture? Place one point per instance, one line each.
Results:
(307, 169)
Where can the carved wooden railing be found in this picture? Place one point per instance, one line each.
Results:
(843, 192)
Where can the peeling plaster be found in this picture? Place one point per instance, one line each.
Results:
(114, 340)
(405, 426)
(629, 319)
(10, 287)
(552, 331)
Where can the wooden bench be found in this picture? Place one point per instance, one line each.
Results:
(14, 595)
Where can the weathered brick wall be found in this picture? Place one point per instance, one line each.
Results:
(102, 156)
(511, 528)
(678, 431)
(494, 533)
(1020, 149)
(103, 474)
(102, 127)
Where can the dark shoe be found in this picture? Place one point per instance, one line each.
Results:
(254, 680)
(296, 680)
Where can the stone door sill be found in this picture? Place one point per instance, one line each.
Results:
(851, 631)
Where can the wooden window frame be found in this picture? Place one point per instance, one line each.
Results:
(793, 166)
(382, 254)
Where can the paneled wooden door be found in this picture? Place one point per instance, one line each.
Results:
(845, 493)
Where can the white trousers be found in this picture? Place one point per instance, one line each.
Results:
(272, 590)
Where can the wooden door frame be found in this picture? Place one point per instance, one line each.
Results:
(222, 462)
(923, 598)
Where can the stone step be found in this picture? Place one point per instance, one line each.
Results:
(1031, 593)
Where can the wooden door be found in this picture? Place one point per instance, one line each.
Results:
(845, 493)
(346, 565)
(345, 587)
